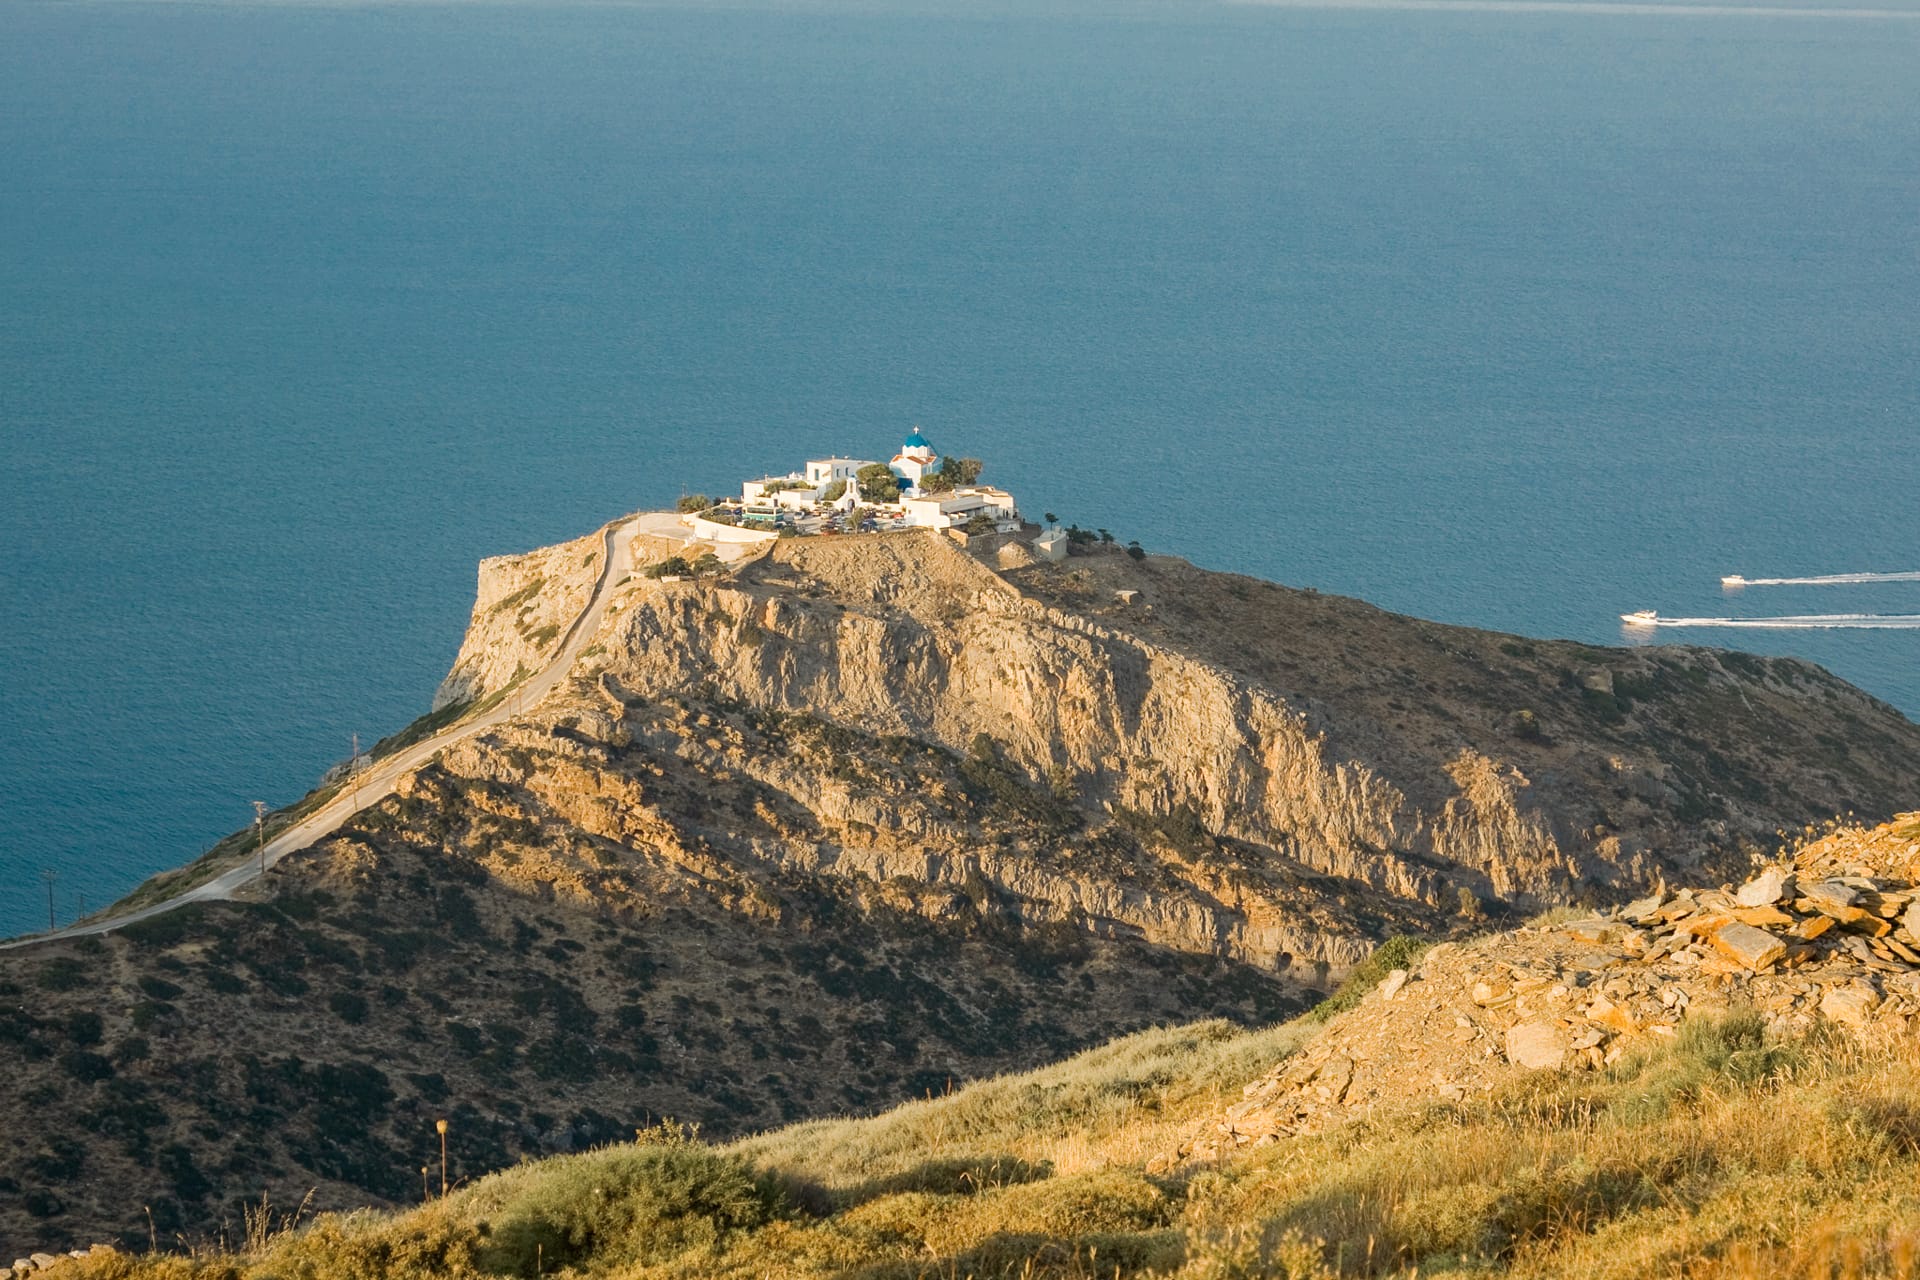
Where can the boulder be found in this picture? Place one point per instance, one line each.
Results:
(1597, 930)
(1610, 1015)
(1390, 986)
(1746, 945)
(1335, 1075)
(1538, 1046)
(1832, 898)
(1831, 892)
(1765, 889)
(1851, 1005)
(1644, 910)
(1812, 927)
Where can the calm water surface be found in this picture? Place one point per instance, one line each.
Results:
(1510, 319)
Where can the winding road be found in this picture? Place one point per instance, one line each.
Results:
(378, 781)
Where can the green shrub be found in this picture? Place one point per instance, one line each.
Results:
(626, 1206)
(428, 1243)
(1402, 951)
(86, 1066)
(166, 929)
(148, 1014)
(953, 473)
(671, 567)
(62, 973)
(227, 984)
(996, 783)
(42, 1203)
(349, 1006)
(878, 483)
(1732, 1050)
(59, 1159)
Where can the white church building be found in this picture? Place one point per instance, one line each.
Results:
(915, 461)
(783, 499)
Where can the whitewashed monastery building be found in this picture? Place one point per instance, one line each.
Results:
(832, 485)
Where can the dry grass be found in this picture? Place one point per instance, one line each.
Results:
(1118, 1104)
(1722, 1155)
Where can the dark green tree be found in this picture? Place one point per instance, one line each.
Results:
(878, 483)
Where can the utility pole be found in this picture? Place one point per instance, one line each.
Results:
(50, 875)
(260, 831)
(353, 771)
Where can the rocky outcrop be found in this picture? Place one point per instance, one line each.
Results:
(1827, 934)
(909, 636)
(521, 612)
(1255, 790)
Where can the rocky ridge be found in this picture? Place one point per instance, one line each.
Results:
(1293, 733)
(1830, 934)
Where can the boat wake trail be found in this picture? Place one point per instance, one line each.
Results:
(1804, 622)
(1825, 580)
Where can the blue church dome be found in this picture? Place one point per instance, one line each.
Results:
(917, 441)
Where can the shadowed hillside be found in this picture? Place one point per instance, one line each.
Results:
(1725, 1126)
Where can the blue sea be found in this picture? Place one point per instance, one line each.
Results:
(1518, 317)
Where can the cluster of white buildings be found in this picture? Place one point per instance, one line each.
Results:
(827, 494)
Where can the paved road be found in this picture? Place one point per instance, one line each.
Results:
(379, 781)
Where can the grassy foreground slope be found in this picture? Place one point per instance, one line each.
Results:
(1720, 1153)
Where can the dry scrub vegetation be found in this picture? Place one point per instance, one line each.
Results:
(1722, 1154)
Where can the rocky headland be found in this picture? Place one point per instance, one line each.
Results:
(859, 820)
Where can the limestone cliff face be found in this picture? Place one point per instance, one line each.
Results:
(522, 609)
(908, 636)
(1261, 774)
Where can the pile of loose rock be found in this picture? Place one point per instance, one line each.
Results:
(1831, 934)
(38, 1263)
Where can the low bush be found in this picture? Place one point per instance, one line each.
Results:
(620, 1207)
(1402, 951)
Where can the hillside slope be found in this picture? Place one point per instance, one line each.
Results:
(1735, 1123)
(859, 820)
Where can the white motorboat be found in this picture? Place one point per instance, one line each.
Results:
(1733, 580)
(1640, 618)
